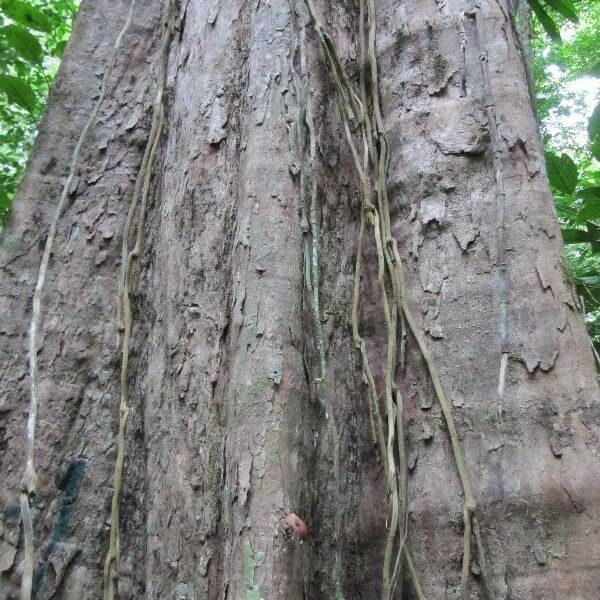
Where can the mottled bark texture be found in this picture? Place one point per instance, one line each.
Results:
(228, 428)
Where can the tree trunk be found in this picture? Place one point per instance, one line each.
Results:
(246, 388)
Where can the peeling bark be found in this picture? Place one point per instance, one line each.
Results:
(228, 430)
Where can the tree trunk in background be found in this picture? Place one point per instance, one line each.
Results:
(226, 429)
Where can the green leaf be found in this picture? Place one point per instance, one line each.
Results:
(595, 147)
(23, 42)
(589, 193)
(589, 211)
(545, 19)
(577, 236)
(564, 7)
(21, 12)
(592, 281)
(562, 172)
(593, 127)
(59, 48)
(589, 286)
(595, 233)
(593, 175)
(18, 91)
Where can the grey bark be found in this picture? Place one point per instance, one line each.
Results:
(227, 430)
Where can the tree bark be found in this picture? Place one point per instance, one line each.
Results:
(243, 394)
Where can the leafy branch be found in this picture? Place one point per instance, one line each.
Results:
(33, 36)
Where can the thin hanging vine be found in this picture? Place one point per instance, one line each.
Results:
(140, 196)
(29, 480)
(370, 165)
(397, 316)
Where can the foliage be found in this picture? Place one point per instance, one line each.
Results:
(33, 35)
(566, 71)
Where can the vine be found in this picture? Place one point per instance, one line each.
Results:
(29, 480)
(371, 166)
(397, 316)
(140, 195)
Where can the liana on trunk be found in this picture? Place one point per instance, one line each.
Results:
(303, 329)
